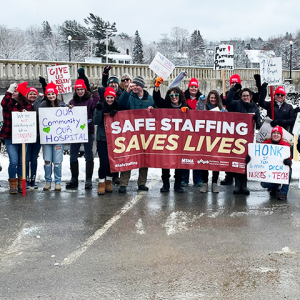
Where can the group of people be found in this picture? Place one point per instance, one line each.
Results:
(131, 94)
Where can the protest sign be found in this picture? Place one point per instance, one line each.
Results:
(23, 127)
(265, 132)
(60, 75)
(62, 125)
(296, 128)
(266, 163)
(169, 139)
(271, 70)
(223, 57)
(161, 66)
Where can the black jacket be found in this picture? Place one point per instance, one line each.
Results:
(101, 92)
(255, 97)
(165, 103)
(242, 107)
(285, 116)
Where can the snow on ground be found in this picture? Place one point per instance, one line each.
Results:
(66, 174)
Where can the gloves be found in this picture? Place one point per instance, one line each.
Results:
(257, 80)
(264, 85)
(159, 81)
(237, 86)
(287, 162)
(42, 80)
(12, 87)
(202, 97)
(298, 146)
(184, 109)
(80, 71)
(106, 70)
(248, 158)
(94, 88)
(255, 117)
(274, 123)
(113, 112)
(99, 105)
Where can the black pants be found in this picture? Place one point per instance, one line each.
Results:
(215, 176)
(104, 168)
(166, 175)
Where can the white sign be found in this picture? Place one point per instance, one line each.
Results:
(265, 132)
(271, 70)
(23, 127)
(62, 125)
(266, 163)
(161, 66)
(60, 75)
(223, 57)
(296, 129)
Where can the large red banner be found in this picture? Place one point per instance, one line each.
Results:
(170, 139)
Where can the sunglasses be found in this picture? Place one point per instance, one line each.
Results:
(280, 95)
(126, 79)
(174, 95)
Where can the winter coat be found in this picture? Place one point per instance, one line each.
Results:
(192, 103)
(201, 105)
(285, 115)
(9, 105)
(165, 103)
(132, 101)
(242, 107)
(282, 142)
(90, 103)
(255, 97)
(101, 92)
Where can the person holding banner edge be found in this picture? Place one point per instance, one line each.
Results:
(174, 99)
(14, 100)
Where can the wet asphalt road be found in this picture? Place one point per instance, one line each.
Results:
(148, 245)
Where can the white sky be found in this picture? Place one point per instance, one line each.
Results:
(216, 20)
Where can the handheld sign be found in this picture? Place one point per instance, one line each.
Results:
(161, 66)
(296, 128)
(62, 125)
(60, 75)
(223, 57)
(271, 70)
(266, 163)
(23, 127)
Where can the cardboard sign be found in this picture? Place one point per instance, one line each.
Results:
(266, 163)
(265, 132)
(169, 139)
(161, 66)
(23, 127)
(296, 128)
(60, 75)
(62, 125)
(223, 57)
(271, 70)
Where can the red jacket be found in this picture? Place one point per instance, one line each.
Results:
(10, 105)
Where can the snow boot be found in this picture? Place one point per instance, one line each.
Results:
(108, 187)
(89, 168)
(73, 183)
(101, 188)
(13, 186)
(20, 184)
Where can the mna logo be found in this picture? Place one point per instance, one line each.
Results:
(201, 161)
(187, 161)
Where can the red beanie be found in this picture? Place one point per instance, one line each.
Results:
(32, 89)
(79, 84)
(51, 88)
(194, 82)
(280, 90)
(109, 91)
(22, 88)
(277, 128)
(235, 78)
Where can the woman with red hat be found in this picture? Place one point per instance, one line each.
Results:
(14, 100)
(110, 106)
(82, 97)
(284, 114)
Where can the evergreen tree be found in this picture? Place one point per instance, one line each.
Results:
(197, 49)
(138, 56)
(47, 31)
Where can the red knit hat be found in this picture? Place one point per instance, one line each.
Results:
(277, 128)
(22, 88)
(79, 84)
(194, 82)
(280, 90)
(32, 89)
(235, 78)
(109, 91)
(51, 88)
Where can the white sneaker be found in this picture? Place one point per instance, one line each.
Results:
(214, 188)
(47, 186)
(204, 188)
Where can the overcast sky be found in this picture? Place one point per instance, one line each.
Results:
(216, 20)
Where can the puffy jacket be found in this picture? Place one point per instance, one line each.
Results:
(132, 101)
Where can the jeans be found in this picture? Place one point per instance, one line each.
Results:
(104, 168)
(32, 154)
(88, 150)
(15, 158)
(197, 176)
(53, 154)
(274, 186)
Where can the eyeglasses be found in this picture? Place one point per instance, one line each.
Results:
(280, 95)
(126, 79)
(174, 95)
(245, 96)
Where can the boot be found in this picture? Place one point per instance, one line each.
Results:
(228, 179)
(108, 187)
(33, 183)
(57, 187)
(20, 184)
(166, 187)
(204, 188)
(245, 191)
(177, 187)
(73, 183)
(89, 168)
(214, 188)
(13, 186)
(47, 186)
(238, 185)
(101, 188)
(28, 185)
